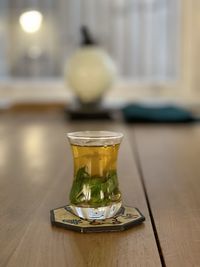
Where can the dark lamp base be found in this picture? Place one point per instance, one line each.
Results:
(94, 111)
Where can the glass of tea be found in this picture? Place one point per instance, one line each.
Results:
(95, 193)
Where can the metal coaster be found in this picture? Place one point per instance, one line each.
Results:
(126, 218)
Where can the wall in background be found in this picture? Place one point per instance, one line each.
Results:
(142, 36)
(186, 88)
(4, 39)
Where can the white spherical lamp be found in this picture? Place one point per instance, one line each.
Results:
(90, 71)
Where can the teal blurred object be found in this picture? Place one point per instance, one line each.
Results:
(157, 114)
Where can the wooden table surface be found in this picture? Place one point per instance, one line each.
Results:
(159, 172)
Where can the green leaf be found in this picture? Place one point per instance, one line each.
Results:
(77, 186)
(101, 190)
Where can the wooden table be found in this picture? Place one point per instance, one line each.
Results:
(159, 172)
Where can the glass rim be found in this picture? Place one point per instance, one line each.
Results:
(95, 135)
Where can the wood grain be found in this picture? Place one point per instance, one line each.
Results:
(169, 158)
(36, 176)
(24, 174)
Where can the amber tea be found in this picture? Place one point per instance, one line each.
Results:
(95, 191)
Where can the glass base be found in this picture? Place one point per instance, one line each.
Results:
(100, 213)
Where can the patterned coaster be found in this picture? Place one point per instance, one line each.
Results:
(126, 218)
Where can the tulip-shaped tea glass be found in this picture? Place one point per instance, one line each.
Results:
(95, 191)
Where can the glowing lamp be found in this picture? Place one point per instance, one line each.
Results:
(31, 21)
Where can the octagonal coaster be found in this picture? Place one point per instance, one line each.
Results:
(126, 218)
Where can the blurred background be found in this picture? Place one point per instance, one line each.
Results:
(154, 44)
